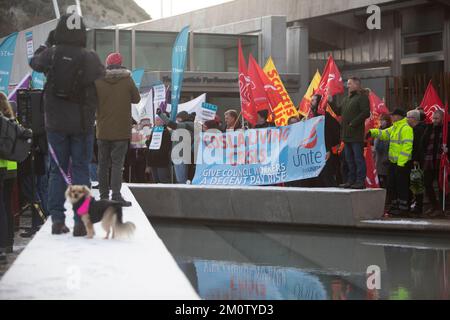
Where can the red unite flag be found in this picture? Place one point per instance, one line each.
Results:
(273, 96)
(260, 98)
(331, 83)
(431, 102)
(372, 181)
(245, 90)
(444, 165)
(377, 109)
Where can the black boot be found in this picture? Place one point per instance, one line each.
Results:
(59, 228)
(79, 230)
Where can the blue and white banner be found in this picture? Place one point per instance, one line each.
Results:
(38, 80)
(261, 156)
(179, 53)
(219, 280)
(7, 48)
(137, 76)
(29, 43)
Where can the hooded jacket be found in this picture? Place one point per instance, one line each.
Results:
(62, 115)
(116, 92)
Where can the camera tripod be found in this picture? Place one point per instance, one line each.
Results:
(38, 216)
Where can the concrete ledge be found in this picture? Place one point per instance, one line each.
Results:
(64, 267)
(302, 206)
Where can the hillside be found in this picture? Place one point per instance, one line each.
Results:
(16, 15)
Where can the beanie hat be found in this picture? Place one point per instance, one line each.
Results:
(114, 58)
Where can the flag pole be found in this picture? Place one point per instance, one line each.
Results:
(443, 190)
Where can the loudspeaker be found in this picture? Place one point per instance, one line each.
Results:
(30, 110)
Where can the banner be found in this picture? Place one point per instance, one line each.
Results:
(220, 280)
(208, 112)
(331, 83)
(137, 76)
(261, 156)
(157, 137)
(179, 53)
(305, 105)
(7, 48)
(190, 106)
(286, 109)
(142, 115)
(245, 91)
(431, 102)
(38, 80)
(29, 44)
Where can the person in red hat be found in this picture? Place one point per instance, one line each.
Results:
(116, 92)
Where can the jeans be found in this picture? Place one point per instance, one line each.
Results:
(93, 171)
(75, 147)
(181, 173)
(161, 175)
(356, 164)
(111, 154)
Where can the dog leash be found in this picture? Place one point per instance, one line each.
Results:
(66, 177)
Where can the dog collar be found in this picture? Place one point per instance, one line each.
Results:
(84, 208)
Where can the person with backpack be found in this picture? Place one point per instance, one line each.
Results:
(70, 103)
(116, 92)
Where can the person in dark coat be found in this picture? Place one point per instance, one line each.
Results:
(419, 127)
(262, 120)
(69, 120)
(158, 160)
(431, 151)
(354, 109)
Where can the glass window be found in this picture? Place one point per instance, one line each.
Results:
(125, 47)
(415, 44)
(105, 43)
(154, 50)
(219, 53)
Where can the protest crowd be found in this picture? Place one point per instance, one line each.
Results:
(89, 125)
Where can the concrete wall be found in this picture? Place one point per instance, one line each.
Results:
(325, 207)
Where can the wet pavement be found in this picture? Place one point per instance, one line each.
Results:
(307, 264)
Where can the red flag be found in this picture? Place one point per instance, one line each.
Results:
(245, 91)
(372, 181)
(272, 94)
(444, 165)
(431, 102)
(377, 108)
(259, 94)
(331, 83)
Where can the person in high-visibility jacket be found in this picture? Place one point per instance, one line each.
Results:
(401, 137)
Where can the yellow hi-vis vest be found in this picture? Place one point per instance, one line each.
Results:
(401, 138)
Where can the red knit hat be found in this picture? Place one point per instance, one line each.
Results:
(114, 58)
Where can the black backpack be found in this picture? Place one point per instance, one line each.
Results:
(65, 77)
(15, 140)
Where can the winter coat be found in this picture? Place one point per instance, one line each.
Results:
(354, 109)
(116, 92)
(160, 158)
(401, 137)
(66, 116)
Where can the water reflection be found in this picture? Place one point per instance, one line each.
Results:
(241, 263)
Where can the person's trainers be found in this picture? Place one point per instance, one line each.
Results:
(345, 185)
(59, 228)
(122, 201)
(79, 230)
(358, 186)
